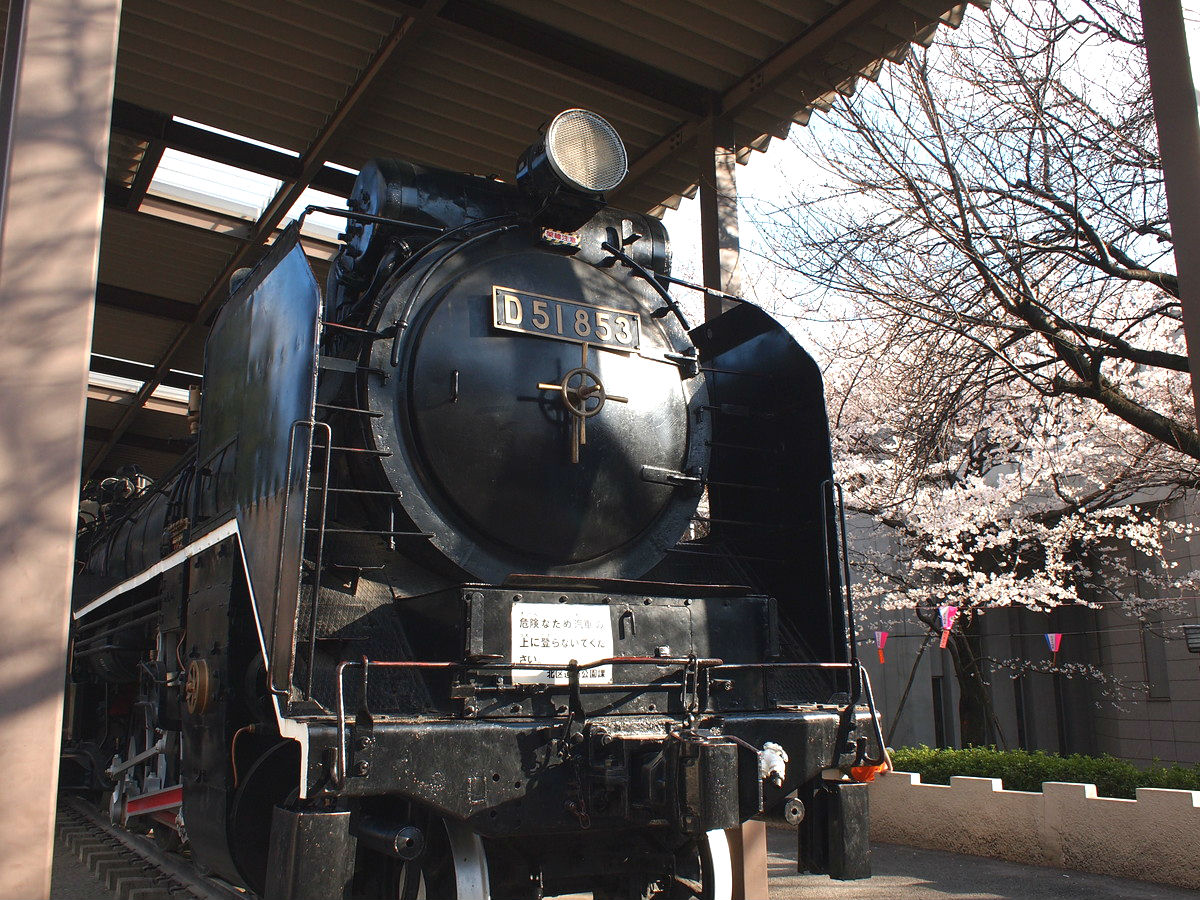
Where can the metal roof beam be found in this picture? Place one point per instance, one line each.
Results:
(518, 37)
(161, 129)
(171, 446)
(146, 304)
(147, 166)
(311, 163)
(568, 51)
(761, 79)
(136, 371)
(238, 231)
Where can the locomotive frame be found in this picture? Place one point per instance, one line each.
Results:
(307, 635)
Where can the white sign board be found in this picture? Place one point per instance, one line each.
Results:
(553, 634)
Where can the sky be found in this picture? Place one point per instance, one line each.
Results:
(784, 168)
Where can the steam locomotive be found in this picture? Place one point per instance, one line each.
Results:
(489, 576)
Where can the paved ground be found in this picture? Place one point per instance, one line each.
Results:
(901, 873)
(904, 873)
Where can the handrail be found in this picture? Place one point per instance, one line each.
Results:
(339, 773)
(316, 594)
(311, 425)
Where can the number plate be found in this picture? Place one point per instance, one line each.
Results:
(565, 320)
(553, 634)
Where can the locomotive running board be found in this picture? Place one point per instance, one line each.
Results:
(165, 564)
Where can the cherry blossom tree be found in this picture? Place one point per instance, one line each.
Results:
(1029, 502)
(1007, 377)
(1000, 205)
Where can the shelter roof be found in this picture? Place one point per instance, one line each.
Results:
(460, 84)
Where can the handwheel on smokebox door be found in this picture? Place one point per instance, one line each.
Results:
(579, 387)
(703, 871)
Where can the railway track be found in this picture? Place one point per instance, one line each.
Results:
(129, 866)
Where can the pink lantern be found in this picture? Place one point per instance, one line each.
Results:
(1053, 640)
(947, 614)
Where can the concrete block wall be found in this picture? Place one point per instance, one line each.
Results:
(1152, 838)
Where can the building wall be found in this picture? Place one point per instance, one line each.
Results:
(1160, 717)
(929, 713)
(1146, 709)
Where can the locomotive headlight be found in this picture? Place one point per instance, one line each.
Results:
(579, 153)
(585, 151)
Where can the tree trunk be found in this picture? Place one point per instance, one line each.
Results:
(975, 712)
(973, 701)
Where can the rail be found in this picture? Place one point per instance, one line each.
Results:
(129, 864)
(318, 532)
(320, 549)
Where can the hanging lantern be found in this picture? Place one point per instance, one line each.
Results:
(947, 614)
(1053, 640)
(880, 639)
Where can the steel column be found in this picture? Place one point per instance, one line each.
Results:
(720, 260)
(57, 95)
(1179, 144)
(719, 244)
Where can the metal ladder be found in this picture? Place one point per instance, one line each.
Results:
(319, 487)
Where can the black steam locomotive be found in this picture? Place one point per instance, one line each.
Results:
(490, 576)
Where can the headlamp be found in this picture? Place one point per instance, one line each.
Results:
(577, 159)
(585, 151)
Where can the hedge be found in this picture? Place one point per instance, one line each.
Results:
(1024, 771)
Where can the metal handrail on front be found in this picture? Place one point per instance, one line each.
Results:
(320, 548)
(573, 668)
(712, 665)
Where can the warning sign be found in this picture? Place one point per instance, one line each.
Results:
(553, 634)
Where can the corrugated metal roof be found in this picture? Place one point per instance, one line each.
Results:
(461, 84)
(159, 256)
(268, 70)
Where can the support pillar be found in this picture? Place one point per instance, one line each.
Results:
(55, 101)
(721, 259)
(748, 851)
(1179, 143)
(719, 244)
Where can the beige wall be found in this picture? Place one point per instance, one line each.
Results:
(1152, 838)
(58, 141)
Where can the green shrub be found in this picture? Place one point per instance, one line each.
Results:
(1023, 771)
